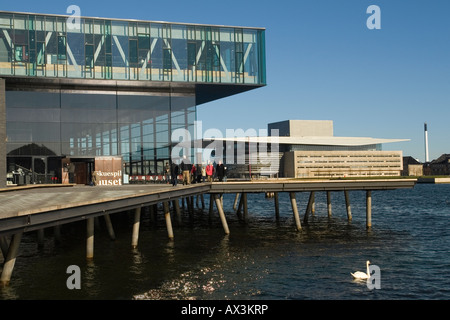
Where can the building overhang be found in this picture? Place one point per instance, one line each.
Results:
(203, 92)
(312, 140)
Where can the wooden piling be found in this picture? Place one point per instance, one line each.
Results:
(347, 204)
(245, 204)
(277, 206)
(221, 213)
(57, 233)
(329, 203)
(313, 203)
(176, 205)
(10, 259)
(295, 211)
(211, 205)
(369, 209)
(109, 227)
(136, 225)
(4, 246)
(236, 199)
(203, 201)
(40, 237)
(168, 219)
(90, 238)
(309, 206)
(239, 207)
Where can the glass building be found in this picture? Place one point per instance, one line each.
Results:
(74, 92)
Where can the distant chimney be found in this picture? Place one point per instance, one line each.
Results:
(426, 143)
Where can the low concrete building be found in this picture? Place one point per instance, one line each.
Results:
(412, 167)
(330, 164)
(310, 149)
(306, 149)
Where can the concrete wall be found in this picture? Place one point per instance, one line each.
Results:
(303, 128)
(2, 134)
(415, 170)
(328, 164)
(289, 164)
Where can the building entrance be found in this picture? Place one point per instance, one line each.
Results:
(77, 170)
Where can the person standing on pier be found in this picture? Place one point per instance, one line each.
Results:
(203, 172)
(174, 171)
(167, 172)
(185, 167)
(220, 171)
(209, 171)
(193, 173)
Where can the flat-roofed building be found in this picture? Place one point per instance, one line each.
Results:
(310, 149)
(307, 149)
(79, 98)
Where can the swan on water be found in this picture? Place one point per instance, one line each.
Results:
(362, 275)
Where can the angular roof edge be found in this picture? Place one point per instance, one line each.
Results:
(312, 140)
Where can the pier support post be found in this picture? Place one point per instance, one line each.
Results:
(295, 211)
(168, 220)
(136, 225)
(90, 238)
(211, 205)
(329, 203)
(347, 204)
(236, 201)
(40, 237)
(203, 201)
(221, 213)
(313, 202)
(309, 206)
(369, 209)
(109, 226)
(239, 207)
(57, 233)
(4, 246)
(10, 259)
(277, 206)
(176, 205)
(244, 198)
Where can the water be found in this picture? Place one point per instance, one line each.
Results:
(263, 260)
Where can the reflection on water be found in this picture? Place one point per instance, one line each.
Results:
(265, 259)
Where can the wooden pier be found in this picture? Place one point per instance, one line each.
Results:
(35, 208)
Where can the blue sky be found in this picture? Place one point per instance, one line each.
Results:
(323, 63)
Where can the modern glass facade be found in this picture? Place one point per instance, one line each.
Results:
(37, 45)
(112, 88)
(44, 127)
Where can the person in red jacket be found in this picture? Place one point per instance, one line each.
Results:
(209, 171)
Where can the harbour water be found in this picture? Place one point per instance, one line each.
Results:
(265, 259)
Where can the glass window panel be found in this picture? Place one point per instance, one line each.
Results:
(35, 132)
(88, 101)
(88, 115)
(32, 99)
(32, 115)
(6, 44)
(133, 51)
(33, 149)
(156, 52)
(75, 54)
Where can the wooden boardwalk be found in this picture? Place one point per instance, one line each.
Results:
(32, 208)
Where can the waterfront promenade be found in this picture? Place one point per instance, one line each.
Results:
(33, 208)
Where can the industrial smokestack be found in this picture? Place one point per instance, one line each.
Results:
(426, 143)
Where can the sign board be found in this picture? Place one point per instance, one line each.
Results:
(108, 171)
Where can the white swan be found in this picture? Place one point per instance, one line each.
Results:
(362, 275)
